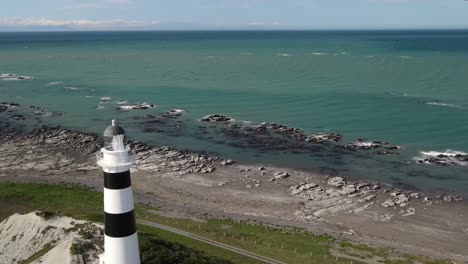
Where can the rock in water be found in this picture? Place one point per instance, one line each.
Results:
(217, 118)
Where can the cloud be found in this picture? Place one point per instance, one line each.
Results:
(79, 24)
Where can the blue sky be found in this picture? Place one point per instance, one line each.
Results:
(231, 14)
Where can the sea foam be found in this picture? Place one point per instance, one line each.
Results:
(448, 157)
(444, 105)
(55, 83)
(14, 77)
(71, 88)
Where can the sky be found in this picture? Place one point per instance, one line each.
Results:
(43, 15)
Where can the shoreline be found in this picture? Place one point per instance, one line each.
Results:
(194, 184)
(324, 154)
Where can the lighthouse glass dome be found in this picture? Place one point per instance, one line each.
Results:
(114, 138)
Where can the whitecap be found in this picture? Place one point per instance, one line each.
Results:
(365, 144)
(99, 107)
(175, 112)
(443, 105)
(319, 54)
(439, 104)
(448, 152)
(17, 78)
(7, 75)
(284, 55)
(106, 99)
(126, 107)
(122, 102)
(136, 106)
(406, 57)
(71, 88)
(337, 54)
(55, 83)
(449, 157)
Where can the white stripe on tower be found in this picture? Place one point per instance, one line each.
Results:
(120, 240)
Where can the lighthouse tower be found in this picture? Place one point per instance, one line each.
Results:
(120, 240)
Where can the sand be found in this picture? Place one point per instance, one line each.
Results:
(192, 185)
(21, 236)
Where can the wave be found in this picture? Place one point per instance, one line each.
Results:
(448, 152)
(7, 75)
(55, 83)
(284, 55)
(440, 104)
(142, 105)
(335, 54)
(448, 157)
(71, 88)
(406, 57)
(319, 53)
(14, 77)
(443, 105)
(435, 102)
(175, 112)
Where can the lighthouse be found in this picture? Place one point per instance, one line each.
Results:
(120, 240)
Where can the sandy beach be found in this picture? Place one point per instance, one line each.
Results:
(187, 184)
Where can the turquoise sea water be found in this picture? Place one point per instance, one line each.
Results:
(409, 88)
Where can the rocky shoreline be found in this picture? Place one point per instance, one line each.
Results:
(264, 136)
(61, 149)
(261, 137)
(195, 180)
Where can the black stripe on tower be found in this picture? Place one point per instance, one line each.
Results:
(119, 225)
(117, 181)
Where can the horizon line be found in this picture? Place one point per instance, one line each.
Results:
(208, 29)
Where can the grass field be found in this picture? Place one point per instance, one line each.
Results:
(290, 245)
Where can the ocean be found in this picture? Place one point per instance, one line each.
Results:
(409, 88)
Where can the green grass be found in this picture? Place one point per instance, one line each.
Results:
(386, 256)
(290, 245)
(65, 199)
(197, 245)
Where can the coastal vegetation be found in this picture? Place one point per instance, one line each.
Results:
(287, 244)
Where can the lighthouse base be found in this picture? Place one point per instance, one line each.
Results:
(121, 250)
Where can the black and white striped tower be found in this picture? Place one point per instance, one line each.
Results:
(120, 240)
